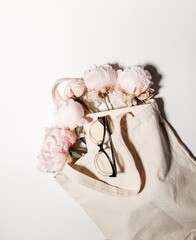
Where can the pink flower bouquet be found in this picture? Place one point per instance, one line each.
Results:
(101, 86)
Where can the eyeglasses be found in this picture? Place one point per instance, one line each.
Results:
(105, 161)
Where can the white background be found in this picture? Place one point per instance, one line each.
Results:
(41, 41)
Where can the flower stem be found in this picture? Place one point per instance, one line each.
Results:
(104, 99)
(109, 101)
(84, 105)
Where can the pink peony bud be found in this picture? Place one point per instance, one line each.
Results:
(75, 88)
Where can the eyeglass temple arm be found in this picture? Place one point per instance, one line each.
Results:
(111, 143)
(106, 125)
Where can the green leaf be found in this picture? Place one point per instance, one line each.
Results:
(77, 134)
(83, 150)
(83, 140)
(74, 154)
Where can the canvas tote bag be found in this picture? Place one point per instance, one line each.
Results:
(154, 193)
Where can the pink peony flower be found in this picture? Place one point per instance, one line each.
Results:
(75, 88)
(69, 114)
(134, 82)
(101, 79)
(54, 151)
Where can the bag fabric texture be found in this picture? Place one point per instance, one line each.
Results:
(154, 193)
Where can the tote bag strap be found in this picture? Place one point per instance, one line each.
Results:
(57, 98)
(94, 183)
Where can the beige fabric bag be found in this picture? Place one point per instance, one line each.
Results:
(153, 195)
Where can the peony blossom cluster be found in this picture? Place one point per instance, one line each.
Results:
(122, 87)
(58, 140)
(100, 84)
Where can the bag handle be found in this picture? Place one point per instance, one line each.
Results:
(57, 98)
